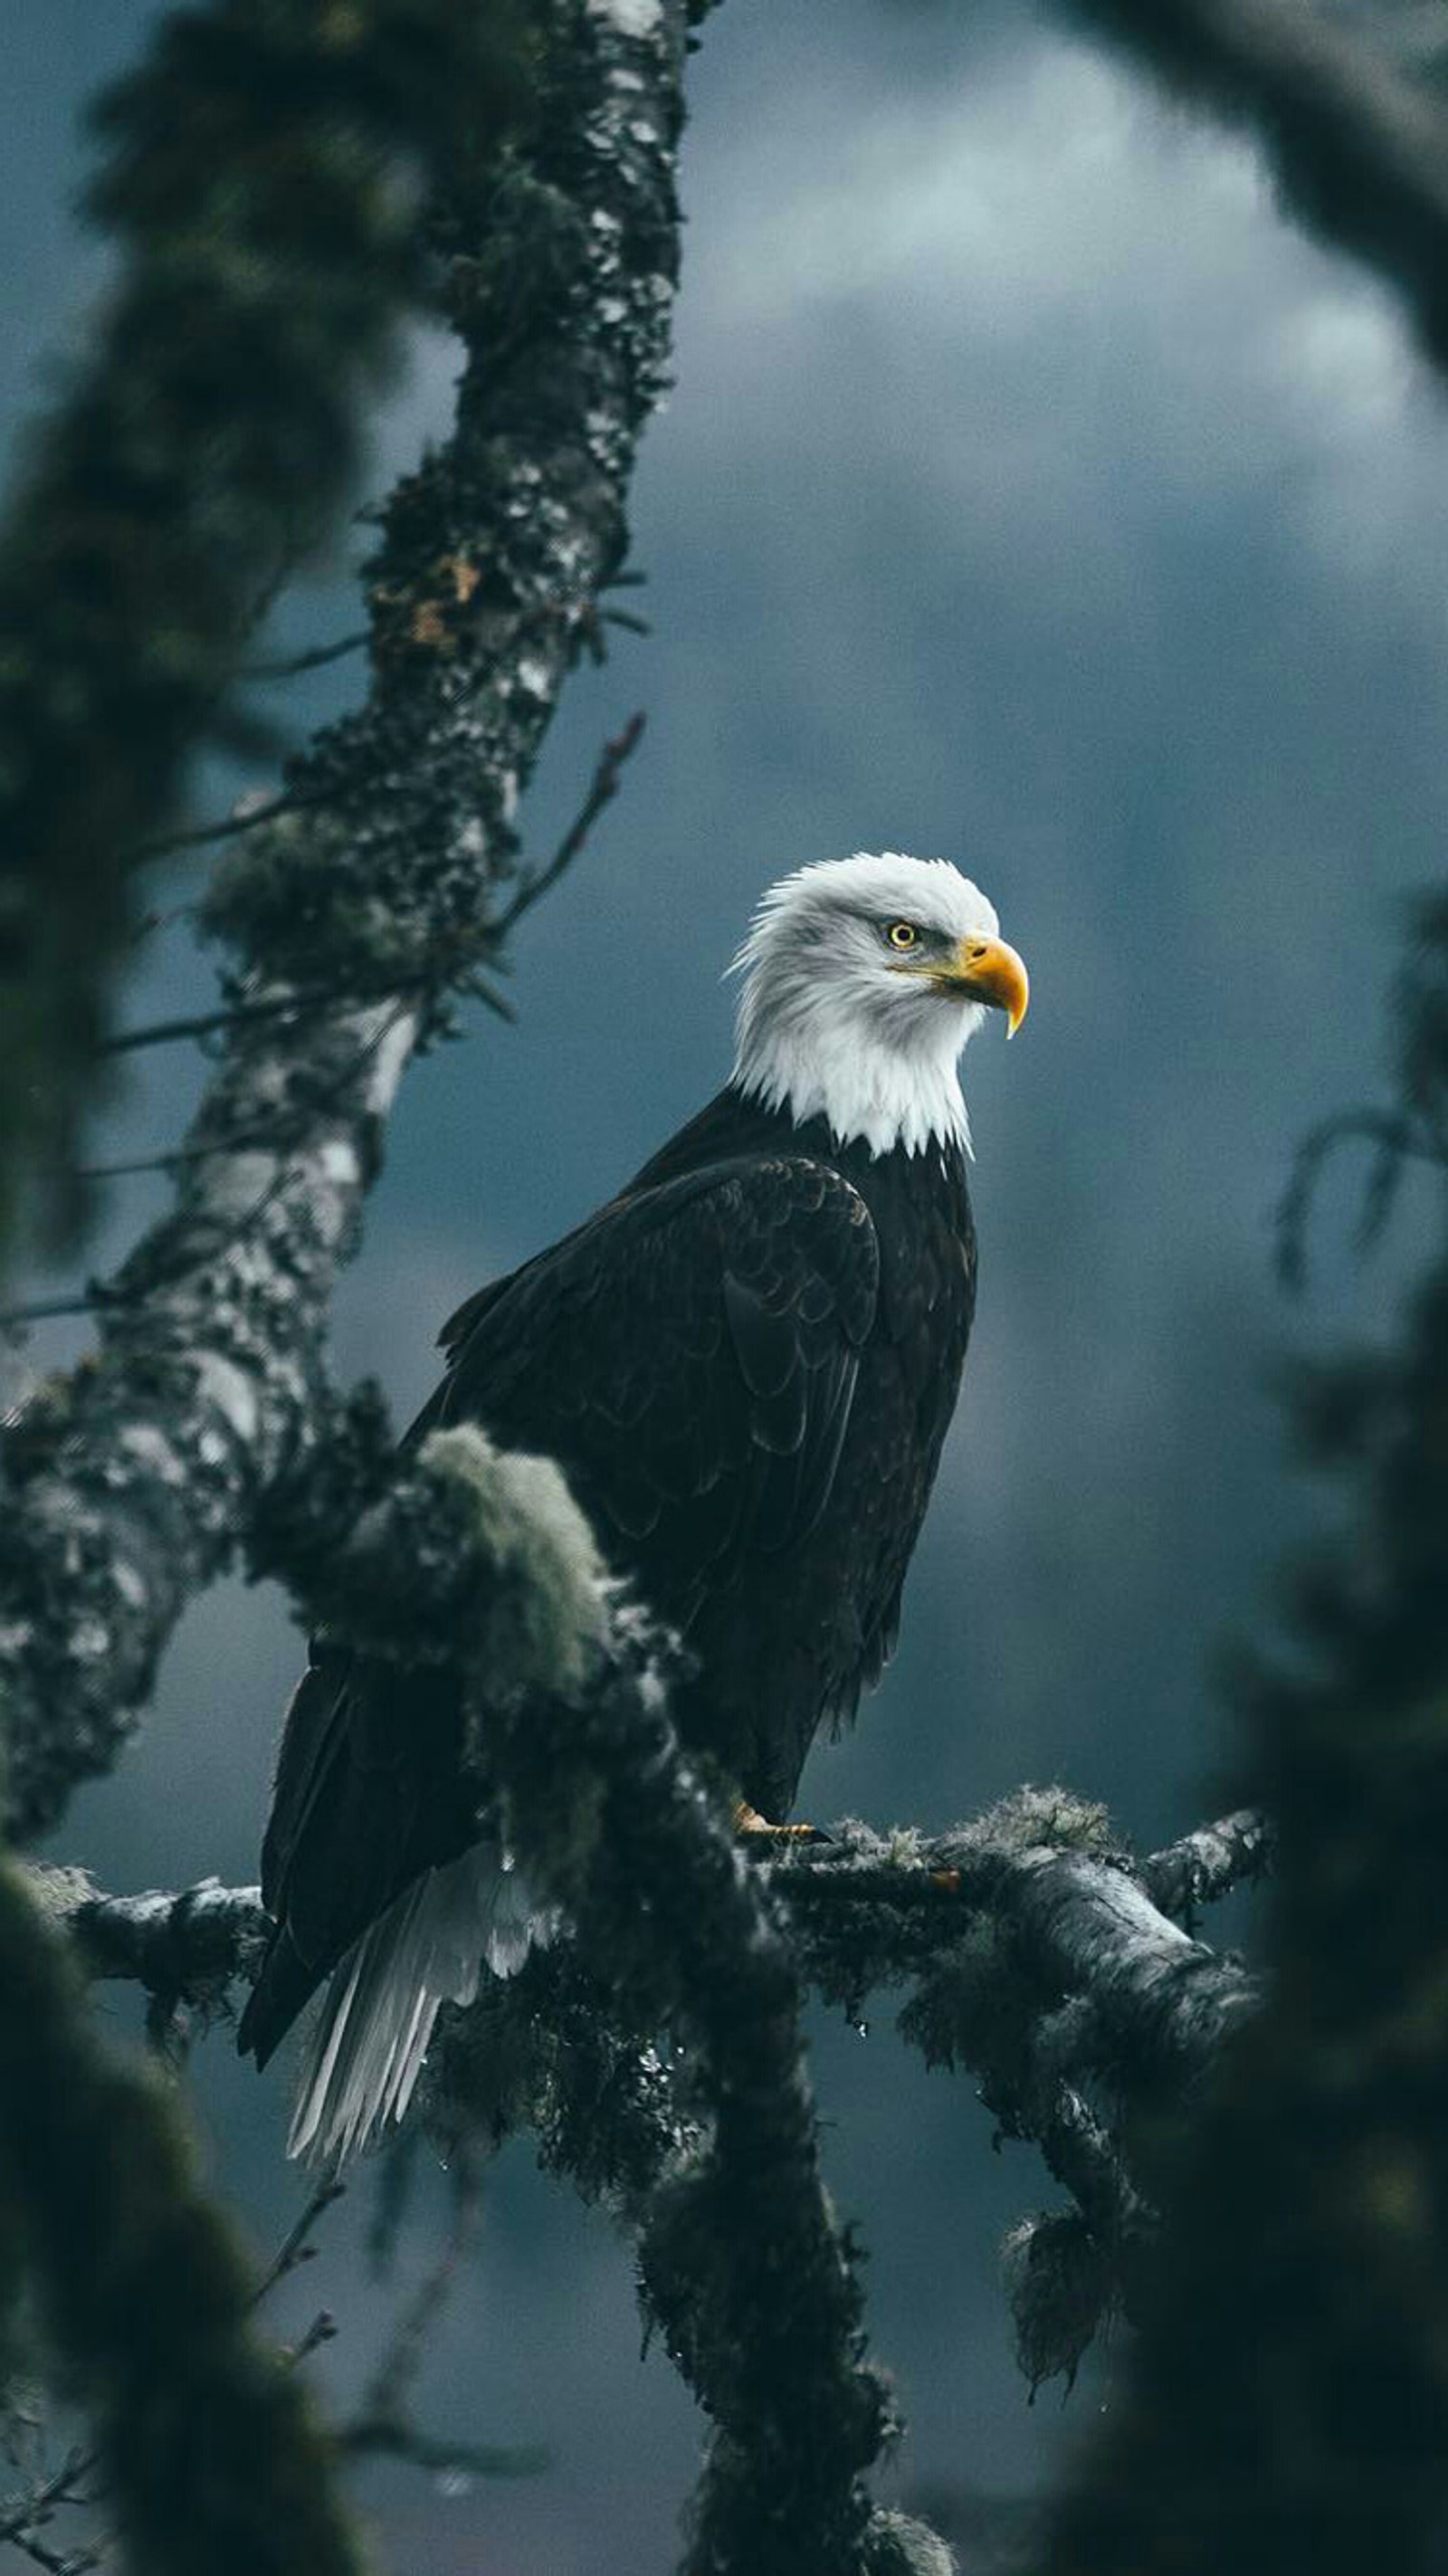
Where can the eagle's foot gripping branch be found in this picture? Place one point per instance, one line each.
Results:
(749, 1822)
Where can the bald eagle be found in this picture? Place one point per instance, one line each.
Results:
(745, 1365)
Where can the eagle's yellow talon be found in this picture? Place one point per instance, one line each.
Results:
(748, 1820)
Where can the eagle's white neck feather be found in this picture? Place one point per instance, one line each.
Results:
(825, 1029)
(817, 1068)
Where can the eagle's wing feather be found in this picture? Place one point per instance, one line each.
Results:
(690, 1359)
(689, 1356)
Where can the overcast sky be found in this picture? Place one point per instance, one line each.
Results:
(1029, 496)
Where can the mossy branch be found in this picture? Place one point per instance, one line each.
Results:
(207, 2444)
(570, 2053)
(262, 181)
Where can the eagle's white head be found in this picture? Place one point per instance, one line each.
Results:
(862, 980)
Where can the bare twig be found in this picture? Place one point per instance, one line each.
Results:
(56, 2562)
(291, 666)
(229, 827)
(296, 2247)
(383, 2425)
(23, 2515)
(45, 1310)
(322, 2330)
(205, 1024)
(367, 2438)
(19, 2512)
(113, 1296)
(177, 1158)
(604, 787)
(390, 2387)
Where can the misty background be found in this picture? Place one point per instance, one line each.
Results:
(1029, 496)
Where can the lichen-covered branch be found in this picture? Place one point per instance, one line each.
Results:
(1079, 1916)
(570, 2052)
(128, 1487)
(1209, 1863)
(1063, 1981)
(864, 1909)
(1159, 2002)
(1358, 148)
(743, 2264)
(185, 1946)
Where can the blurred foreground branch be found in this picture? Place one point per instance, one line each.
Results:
(1357, 146)
(206, 2443)
(1286, 2406)
(261, 184)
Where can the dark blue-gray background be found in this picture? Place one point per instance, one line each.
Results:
(1030, 494)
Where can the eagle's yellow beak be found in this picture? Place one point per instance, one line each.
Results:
(988, 970)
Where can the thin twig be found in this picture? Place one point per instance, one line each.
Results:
(322, 2330)
(179, 1157)
(286, 1171)
(56, 2562)
(296, 2247)
(383, 2424)
(388, 2388)
(603, 789)
(366, 2439)
(92, 1174)
(18, 2511)
(44, 1310)
(302, 1001)
(230, 826)
(205, 1024)
(291, 668)
(19, 2517)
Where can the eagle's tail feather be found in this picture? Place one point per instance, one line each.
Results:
(365, 2054)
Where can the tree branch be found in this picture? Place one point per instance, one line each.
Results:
(1041, 1966)
(189, 1943)
(132, 1485)
(185, 1946)
(1209, 1863)
(1358, 149)
(574, 1751)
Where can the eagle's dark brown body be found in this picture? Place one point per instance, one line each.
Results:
(745, 1364)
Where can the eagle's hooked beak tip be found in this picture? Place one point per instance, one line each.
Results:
(990, 970)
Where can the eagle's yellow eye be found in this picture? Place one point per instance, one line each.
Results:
(903, 934)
